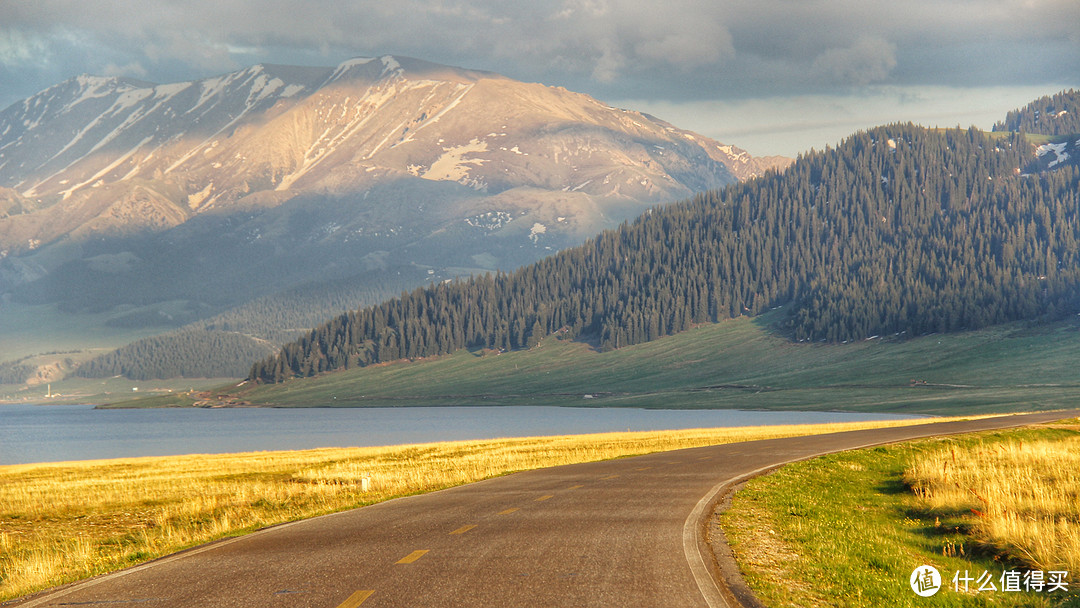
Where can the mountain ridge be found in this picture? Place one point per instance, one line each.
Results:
(251, 132)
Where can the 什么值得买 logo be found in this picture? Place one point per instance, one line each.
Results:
(925, 580)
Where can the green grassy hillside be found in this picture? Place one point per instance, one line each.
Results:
(738, 363)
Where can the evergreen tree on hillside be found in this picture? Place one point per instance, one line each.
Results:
(1057, 114)
(900, 229)
(179, 354)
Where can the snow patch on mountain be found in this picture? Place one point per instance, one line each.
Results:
(292, 90)
(94, 180)
(390, 65)
(1058, 150)
(491, 220)
(344, 67)
(536, 230)
(453, 166)
(165, 91)
(211, 89)
(464, 90)
(92, 87)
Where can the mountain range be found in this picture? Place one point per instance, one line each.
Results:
(282, 188)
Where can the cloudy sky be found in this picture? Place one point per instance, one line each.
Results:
(772, 76)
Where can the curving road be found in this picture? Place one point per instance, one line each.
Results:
(624, 532)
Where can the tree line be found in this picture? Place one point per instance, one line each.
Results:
(184, 354)
(899, 229)
(1055, 115)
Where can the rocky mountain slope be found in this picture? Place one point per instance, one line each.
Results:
(157, 205)
(108, 155)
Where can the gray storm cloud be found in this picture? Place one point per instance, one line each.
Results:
(678, 50)
(867, 61)
(621, 34)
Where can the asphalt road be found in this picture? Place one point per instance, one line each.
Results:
(624, 532)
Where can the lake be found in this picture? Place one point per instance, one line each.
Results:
(52, 433)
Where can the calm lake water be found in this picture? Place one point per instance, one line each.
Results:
(52, 433)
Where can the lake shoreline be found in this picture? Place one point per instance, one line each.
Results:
(64, 432)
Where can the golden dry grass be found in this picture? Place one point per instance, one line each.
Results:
(64, 521)
(1023, 497)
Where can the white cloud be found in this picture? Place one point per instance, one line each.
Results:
(134, 69)
(19, 48)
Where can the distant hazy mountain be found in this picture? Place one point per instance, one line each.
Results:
(163, 204)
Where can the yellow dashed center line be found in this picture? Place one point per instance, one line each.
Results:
(644, 468)
(464, 529)
(575, 487)
(412, 557)
(545, 497)
(356, 599)
(609, 477)
(508, 511)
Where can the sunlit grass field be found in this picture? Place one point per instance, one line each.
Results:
(1018, 497)
(875, 515)
(64, 521)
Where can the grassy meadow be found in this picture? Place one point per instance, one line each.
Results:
(78, 391)
(739, 363)
(64, 521)
(877, 514)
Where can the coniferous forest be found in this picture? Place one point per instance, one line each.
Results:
(142, 360)
(899, 230)
(1057, 114)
